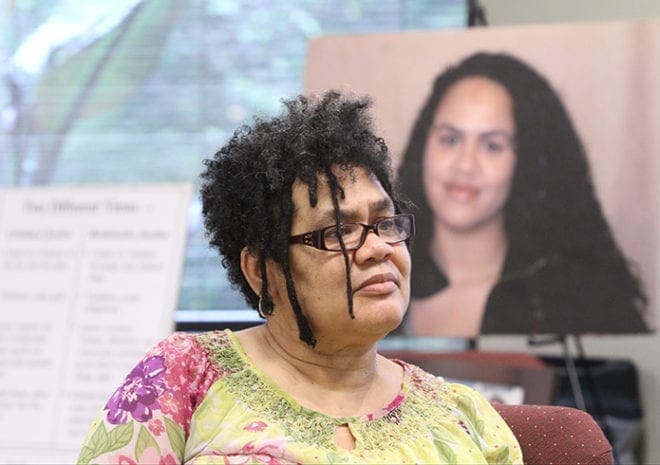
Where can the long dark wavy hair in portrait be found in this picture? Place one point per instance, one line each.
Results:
(552, 209)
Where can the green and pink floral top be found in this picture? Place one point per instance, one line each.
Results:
(198, 399)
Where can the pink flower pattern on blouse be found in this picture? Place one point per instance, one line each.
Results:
(263, 453)
(156, 427)
(255, 426)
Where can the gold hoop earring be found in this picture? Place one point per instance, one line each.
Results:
(264, 309)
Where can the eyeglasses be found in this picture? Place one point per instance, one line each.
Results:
(391, 229)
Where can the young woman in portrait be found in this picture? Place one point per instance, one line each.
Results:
(511, 236)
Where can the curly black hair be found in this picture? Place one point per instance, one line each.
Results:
(247, 185)
(552, 207)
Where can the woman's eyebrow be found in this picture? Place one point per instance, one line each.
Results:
(447, 126)
(497, 132)
(327, 216)
(377, 207)
(383, 205)
(487, 133)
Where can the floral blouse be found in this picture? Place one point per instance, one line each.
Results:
(198, 399)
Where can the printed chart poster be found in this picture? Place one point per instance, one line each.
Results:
(531, 155)
(89, 280)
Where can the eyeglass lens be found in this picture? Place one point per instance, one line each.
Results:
(391, 230)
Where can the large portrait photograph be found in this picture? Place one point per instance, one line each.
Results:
(528, 156)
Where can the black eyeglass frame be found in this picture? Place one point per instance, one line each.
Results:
(315, 238)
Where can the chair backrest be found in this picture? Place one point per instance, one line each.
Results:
(557, 435)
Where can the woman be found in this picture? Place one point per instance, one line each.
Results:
(291, 204)
(511, 237)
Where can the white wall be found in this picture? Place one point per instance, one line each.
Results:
(507, 12)
(642, 350)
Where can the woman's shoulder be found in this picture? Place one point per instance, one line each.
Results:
(423, 389)
(209, 356)
(191, 344)
(435, 387)
(215, 341)
(419, 376)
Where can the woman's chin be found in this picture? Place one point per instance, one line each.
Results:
(383, 321)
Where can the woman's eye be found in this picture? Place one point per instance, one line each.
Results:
(449, 140)
(496, 146)
(345, 229)
(331, 233)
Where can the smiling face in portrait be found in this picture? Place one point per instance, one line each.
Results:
(470, 157)
(380, 272)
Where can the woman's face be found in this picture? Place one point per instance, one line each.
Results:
(380, 272)
(469, 157)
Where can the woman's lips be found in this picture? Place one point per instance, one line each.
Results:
(383, 283)
(461, 192)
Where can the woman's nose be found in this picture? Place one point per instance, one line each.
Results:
(374, 248)
(467, 157)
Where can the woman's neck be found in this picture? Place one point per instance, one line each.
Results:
(345, 368)
(345, 383)
(470, 255)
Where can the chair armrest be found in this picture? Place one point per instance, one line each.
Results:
(558, 435)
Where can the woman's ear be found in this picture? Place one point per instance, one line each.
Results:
(251, 270)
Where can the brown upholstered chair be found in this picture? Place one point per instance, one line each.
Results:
(556, 435)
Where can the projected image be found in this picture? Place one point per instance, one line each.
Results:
(511, 237)
(531, 176)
